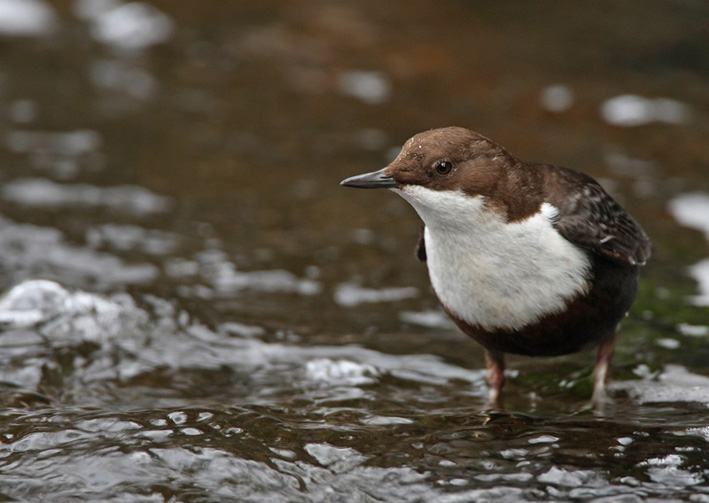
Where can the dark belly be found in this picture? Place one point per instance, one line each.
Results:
(588, 320)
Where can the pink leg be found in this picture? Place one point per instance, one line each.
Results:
(603, 358)
(495, 366)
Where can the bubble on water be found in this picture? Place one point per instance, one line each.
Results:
(133, 26)
(386, 420)
(364, 236)
(340, 372)
(71, 143)
(371, 139)
(543, 439)
(557, 98)
(61, 153)
(517, 453)
(674, 384)
(562, 477)
(26, 18)
(91, 9)
(668, 343)
(337, 459)
(351, 294)
(222, 275)
(107, 425)
(242, 330)
(700, 273)
(693, 330)
(669, 460)
(631, 110)
(177, 267)
(702, 431)
(429, 319)
(123, 76)
(22, 111)
(41, 251)
(155, 435)
(69, 315)
(623, 164)
(132, 238)
(178, 417)
(691, 210)
(43, 193)
(265, 281)
(371, 87)
(665, 470)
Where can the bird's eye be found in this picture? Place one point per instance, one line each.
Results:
(444, 167)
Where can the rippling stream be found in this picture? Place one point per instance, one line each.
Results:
(195, 311)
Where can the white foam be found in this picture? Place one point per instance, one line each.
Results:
(430, 319)
(28, 249)
(69, 314)
(340, 372)
(692, 210)
(132, 26)
(631, 110)
(674, 384)
(224, 277)
(132, 237)
(557, 98)
(700, 273)
(40, 192)
(350, 294)
(370, 87)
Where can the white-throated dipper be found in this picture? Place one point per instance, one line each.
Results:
(526, 258)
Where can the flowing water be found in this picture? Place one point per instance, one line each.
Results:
(194, 310)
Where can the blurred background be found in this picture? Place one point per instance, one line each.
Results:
(194, 310)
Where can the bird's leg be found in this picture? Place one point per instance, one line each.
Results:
(603, 358)
(495, 366)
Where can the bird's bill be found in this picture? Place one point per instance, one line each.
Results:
(375, 180)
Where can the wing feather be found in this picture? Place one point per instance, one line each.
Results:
(592, 219)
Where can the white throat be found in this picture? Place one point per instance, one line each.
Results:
(492, 273)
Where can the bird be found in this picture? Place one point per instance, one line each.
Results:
(526, 258)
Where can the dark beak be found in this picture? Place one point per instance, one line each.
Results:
(375, 180)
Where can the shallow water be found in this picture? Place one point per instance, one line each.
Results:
(194, 310)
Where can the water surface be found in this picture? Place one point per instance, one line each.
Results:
(194, 310)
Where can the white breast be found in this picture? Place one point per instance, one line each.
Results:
(493, 273)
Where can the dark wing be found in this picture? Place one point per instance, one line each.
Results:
(421, 246)
(591, 219)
